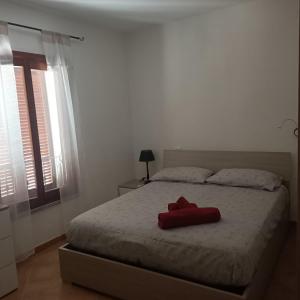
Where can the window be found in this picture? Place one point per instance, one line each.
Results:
(30, 73)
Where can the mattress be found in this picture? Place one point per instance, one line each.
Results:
(224, 253)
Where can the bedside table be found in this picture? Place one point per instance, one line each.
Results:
(129, 186)
(8, 272)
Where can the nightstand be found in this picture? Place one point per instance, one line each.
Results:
(129, 186)
(8, 272)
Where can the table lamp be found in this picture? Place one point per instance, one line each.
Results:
(146, 156)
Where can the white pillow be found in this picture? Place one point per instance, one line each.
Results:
(258, 179)
(182, 174)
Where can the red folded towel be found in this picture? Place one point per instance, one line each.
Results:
(181, 203)
(188, 216)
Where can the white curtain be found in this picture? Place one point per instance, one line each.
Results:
(60, 96)
(13, 184)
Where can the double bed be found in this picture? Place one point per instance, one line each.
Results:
(118, 249)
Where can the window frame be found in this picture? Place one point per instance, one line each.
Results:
(30, 61)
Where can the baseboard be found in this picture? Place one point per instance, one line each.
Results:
(51, 242)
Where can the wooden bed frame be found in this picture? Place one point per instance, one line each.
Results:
(128, 282)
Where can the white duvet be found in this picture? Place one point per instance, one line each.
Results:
(224, 253)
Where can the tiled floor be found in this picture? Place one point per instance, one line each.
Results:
(39, 278)
(284, 281)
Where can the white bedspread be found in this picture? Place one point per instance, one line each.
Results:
(225, 253)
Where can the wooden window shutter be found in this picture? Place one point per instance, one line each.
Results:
(25, 129)
(43, 120)
(35, 133)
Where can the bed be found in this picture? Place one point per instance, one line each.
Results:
(118, 249)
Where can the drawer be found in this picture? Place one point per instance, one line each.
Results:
(5, 227)
(6, 252)
(8, 279)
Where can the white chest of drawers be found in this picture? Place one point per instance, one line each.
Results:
(8, 272)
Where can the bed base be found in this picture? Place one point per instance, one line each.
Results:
(129, 282)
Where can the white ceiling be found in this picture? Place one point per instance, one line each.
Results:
(129, 14)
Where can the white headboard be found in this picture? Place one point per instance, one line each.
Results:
(277, 162)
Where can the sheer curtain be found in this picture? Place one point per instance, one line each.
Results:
(60, 96)
(13, 185)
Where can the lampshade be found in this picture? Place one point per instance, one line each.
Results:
(146, 155)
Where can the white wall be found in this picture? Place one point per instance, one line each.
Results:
(221, 81)
(101, 79)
